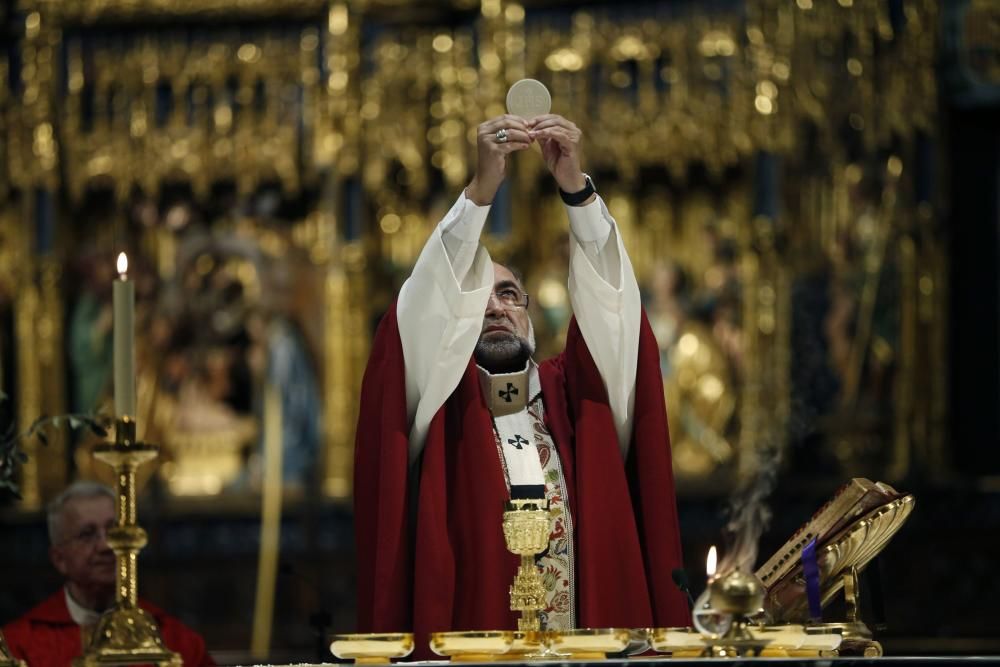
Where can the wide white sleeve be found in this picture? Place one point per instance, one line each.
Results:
(605, 298)
(440, 313)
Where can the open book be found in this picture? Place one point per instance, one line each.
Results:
(782, 573)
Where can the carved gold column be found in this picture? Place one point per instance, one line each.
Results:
(765, 406)
(33, 148)
(52, 460)
(337, 409)
(27, 306)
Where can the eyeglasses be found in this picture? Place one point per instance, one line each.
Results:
(511, 297)
(91, 534)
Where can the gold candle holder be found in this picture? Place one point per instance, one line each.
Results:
(126, 634)
(526, 528)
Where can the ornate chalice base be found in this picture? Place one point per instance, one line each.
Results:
(372, 648)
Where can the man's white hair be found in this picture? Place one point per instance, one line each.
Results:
(81, 489)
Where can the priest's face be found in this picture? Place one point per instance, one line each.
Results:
(507, 340)
(81, 552)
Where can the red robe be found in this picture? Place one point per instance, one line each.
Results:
(47, 636)
(430, 548)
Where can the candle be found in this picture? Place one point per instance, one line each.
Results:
(711, 562)
(124, 310)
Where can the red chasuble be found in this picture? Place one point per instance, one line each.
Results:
(430, 549)
(47, 636)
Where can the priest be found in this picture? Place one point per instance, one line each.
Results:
(456, 415)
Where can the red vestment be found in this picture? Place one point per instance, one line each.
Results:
(47, 636)
(430, 548)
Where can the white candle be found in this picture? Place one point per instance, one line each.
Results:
(124, 311)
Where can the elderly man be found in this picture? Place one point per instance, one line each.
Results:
(456, 418)
(53, 633)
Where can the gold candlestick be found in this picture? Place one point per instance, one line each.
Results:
(526, 528)
(126, 634)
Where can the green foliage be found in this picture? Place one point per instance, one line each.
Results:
(12, 455)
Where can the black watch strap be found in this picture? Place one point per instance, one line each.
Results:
(577, 198)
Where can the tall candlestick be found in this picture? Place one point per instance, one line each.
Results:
(124, 311)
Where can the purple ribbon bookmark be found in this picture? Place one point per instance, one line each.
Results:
(810, 568)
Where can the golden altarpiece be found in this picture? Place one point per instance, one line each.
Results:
(763, 161)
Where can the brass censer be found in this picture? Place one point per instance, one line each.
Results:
(739, 595)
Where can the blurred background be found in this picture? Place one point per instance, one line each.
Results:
(808, 191)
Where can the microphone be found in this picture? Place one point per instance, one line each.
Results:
(321, 619)
(680, 578)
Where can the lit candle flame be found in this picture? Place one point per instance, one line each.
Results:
(122, 263)
(711, 561)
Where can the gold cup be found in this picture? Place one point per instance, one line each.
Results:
(372, 648)
(526, 528)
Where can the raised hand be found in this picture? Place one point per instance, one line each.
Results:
(560, 141)
(495, 140)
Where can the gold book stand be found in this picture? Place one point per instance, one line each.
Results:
(840, 558)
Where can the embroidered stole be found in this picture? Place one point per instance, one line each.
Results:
(530, 461)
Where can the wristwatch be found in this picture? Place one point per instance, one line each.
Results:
(577, 198)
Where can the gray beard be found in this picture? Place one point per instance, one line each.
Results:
(505, 352)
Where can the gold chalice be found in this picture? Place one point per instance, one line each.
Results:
(526, 528)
